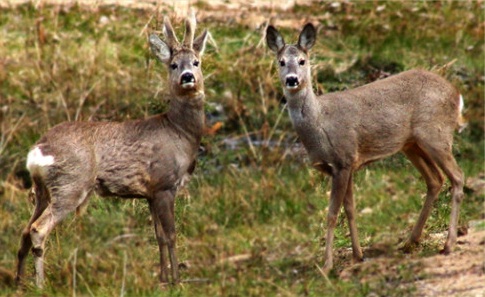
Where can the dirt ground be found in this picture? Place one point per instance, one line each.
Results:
(460, 274)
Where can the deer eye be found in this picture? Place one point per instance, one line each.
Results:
(196, 63)
(282, 63)
(302, 62)
(174, 66)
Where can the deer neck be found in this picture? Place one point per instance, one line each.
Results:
(302, 103)
(186, 114)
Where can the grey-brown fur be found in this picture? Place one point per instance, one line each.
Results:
(149, 158)
(415, 112)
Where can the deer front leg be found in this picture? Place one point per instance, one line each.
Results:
(162, 243)
(340, 181)
(168, 224)
(164, 209)
(350, 213)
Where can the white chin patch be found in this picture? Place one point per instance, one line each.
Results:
(188, 85)
(292, 87)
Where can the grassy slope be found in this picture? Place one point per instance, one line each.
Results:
(66, 64)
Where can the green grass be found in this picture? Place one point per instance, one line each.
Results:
(250, 202)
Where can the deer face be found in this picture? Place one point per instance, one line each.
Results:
(294, 68)
(185, 73)
(183, 60)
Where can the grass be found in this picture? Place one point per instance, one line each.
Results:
(252, 220)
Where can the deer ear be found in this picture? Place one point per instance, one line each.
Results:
(159, 48)
(200, 41)
(274, 39)
(307, 37)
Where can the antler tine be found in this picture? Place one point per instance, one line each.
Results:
(169, 33)
(190, 24)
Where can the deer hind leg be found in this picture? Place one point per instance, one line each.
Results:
(41, 202)
(434, 181)
(63, 202)
(350, 213)
(340, 181)
(440, 152)
(163, 205)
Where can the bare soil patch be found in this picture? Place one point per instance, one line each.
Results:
(462, 273)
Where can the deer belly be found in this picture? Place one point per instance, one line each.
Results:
(324, 167)
(125, 186)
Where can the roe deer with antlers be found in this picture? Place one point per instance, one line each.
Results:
(149, 158)
(415, 112)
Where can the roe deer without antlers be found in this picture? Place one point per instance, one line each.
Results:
(415, 112)
(148, 158)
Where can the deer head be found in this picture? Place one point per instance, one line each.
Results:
(182, 59)
(293, 59)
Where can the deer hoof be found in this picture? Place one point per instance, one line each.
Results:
(408, 247)
(327, 268)
(356, 260)
(445, 251)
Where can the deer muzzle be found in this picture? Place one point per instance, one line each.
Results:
(292, 81)
(187, 80)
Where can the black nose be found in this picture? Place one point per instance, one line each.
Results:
(187, 77)
(292, 81)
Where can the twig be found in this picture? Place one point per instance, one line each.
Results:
(122, 293)
(263, 99)
(74, 263)
(119, 237)
(86, 284)
(211, 40)
(283, 290)
(250, 142)
(97, 107)
(196, 280)
(5, 140)
(83, 99)
(262, 41)
(62, 99)
(235, 258)
(277, 122)
(149, 21)
(324, 276)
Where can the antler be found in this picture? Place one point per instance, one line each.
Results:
(169, 34)
(190, 24)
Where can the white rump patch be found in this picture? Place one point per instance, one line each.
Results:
(462, 104)
(36, 161)
(462, 124)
